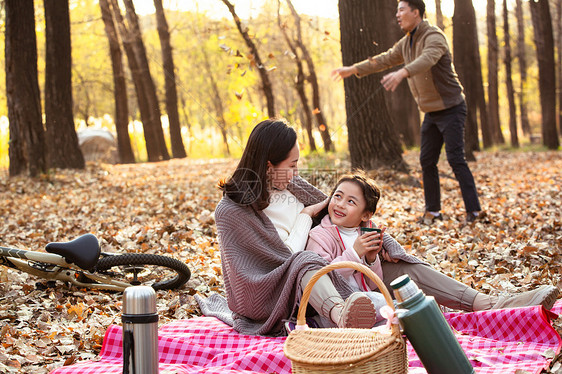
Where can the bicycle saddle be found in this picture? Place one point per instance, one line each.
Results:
(83, 251)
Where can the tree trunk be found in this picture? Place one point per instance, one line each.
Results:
(439, 15)
(401, 103)
(150, 138)
(312, 78)
(299, 81)
(493, 99)
(559, 64)
(185, 117)
(467, 61)
(405, 109)
(542, 26)
(217, 99)
(86, 105)
(219, 107)
(372, 138)
(178, 149)
(525, 126)
(509, 82)
(256, 61)
(140, 54)
(300, 88)
(63, 150)
(27, 139)
(124, 148)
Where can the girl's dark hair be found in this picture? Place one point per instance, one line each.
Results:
(371, 192)
(271, 140)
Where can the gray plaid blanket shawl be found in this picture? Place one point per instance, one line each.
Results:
(261, 275)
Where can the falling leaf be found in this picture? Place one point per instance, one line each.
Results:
(224, 47)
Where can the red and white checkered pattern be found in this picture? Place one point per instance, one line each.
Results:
(496, 342)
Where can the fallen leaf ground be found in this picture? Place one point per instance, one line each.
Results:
(167, 208)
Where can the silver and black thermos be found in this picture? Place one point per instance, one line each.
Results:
(140, 331)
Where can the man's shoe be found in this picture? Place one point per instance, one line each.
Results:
(358, 312)
(472, 217)
(428, 218)
(544, 295)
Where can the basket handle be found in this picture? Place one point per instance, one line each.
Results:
(301, 317)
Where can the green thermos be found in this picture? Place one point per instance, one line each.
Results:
(428, 330)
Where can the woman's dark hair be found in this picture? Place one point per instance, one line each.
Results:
(416, 4)
(271, 140)
(371, 192)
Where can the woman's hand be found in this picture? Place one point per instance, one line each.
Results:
(387, 257)
(313, 210)
(369, 244)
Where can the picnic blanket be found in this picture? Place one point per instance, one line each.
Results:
(496, 342)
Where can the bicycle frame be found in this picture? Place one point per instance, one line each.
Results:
(54, 267)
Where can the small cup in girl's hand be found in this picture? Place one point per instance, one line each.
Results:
(369, 229)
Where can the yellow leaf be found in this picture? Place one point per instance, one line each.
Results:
(76, 310)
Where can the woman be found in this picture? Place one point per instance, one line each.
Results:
(263, 222)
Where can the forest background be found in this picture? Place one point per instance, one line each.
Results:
(214, 69)
(166, 207)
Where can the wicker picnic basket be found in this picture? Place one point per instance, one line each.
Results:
(335, 350)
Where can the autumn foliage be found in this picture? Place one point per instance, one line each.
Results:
(167, 208)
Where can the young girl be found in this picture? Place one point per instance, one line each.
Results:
(338, 237)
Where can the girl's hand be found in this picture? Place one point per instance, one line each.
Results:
(369, 244)
(313, 210)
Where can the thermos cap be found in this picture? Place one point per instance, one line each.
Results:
(404, 288)
(139, 300)
(400, 281)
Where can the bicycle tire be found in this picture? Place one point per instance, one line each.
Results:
(181, 271)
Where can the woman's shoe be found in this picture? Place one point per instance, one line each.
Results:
(544, 295)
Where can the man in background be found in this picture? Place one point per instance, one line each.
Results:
(424, 51)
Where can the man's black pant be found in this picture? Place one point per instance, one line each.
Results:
(446, 126)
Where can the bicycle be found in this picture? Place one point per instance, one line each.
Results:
(81, 262)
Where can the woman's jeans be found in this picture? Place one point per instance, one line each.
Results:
(446, 126)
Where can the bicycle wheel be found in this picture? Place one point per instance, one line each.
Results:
(160, 272)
